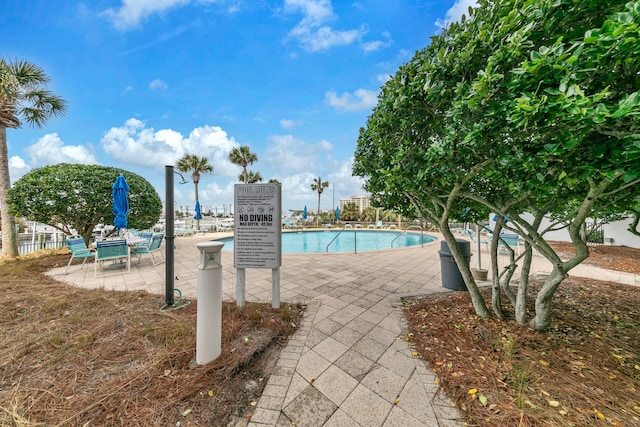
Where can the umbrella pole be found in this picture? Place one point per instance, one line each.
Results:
(169, 235)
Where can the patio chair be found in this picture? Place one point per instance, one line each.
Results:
(150, 248)
(472, 237)
(111, 250)
(78, 250)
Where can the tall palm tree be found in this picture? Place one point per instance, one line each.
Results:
(242, 156)
(23, 94)
(196, 165)
(319, 185)
(251, 177)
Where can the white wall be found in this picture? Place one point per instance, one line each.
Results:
(618, 231)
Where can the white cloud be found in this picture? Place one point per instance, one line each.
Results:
(289, 155)
(17, 168)
(288, 124)
(158, 84)
(132, 12)
(312, 32)
(460, 7)
(378, 44)
(383, 78)
(361, 99)
(135, 144)
(50, 149)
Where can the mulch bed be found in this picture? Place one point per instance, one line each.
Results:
(583, 371)
(81, 357)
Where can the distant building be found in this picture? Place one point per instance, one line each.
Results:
(362, 202)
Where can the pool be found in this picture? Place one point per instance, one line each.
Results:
(345, 241)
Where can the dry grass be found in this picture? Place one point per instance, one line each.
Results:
(583, 371)
(72, 356)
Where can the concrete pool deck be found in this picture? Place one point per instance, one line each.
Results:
(348, 364)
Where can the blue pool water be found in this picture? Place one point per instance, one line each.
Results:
(317, 241)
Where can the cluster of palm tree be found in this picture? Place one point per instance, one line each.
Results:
(350, 212)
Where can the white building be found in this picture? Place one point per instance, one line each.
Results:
(362, 202)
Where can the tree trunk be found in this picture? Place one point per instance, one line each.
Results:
(542, 319)
(195, 184)
(9, 233)
(521, 297)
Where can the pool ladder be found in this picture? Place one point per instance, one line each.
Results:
(355, 240)
(355, 246)
(409, 228)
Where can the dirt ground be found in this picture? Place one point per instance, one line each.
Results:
(583, 371)
(78, 357)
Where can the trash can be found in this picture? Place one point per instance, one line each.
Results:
(451, 276)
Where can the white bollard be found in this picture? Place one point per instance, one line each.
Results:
(209, 317)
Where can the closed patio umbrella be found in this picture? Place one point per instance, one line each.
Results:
(337, 213)
(198, 214)
(120, 195)
(304, 212)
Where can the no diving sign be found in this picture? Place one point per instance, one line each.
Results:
(257, 226)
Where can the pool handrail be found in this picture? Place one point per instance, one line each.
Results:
(355, 246)
(408, 228)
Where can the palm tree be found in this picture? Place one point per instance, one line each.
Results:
(242, 156)
(196, 165)
(349, 212)
(250, 178)
(23, 94)
(319, 186)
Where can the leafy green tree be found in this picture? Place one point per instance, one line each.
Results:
(75, 198)
(197, 165)
(274, 181)
(318, 186)
(526, 108)
(23, 94)
(251, 177)
(242, 156)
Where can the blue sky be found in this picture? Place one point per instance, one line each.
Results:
(147, 81)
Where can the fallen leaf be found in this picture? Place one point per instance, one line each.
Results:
(483, 399)
(210, 393)
(253, 403)
(554, 403)
(599, 414)
(395, 402)
(472, 391)
(544, 363)
(186, 412)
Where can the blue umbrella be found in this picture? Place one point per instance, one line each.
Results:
(198, 215)
(304, 212)
(337, 212)
(120, 195)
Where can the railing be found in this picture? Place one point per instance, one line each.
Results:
(28, 244)
(409, 228)
(355, 241)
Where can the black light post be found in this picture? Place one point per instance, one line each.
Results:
(169, 219)
(169, 235)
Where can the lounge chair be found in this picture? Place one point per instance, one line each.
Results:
(153, 246)
(510, 240)
(472, 237)
(111, 250)
(78, 250)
